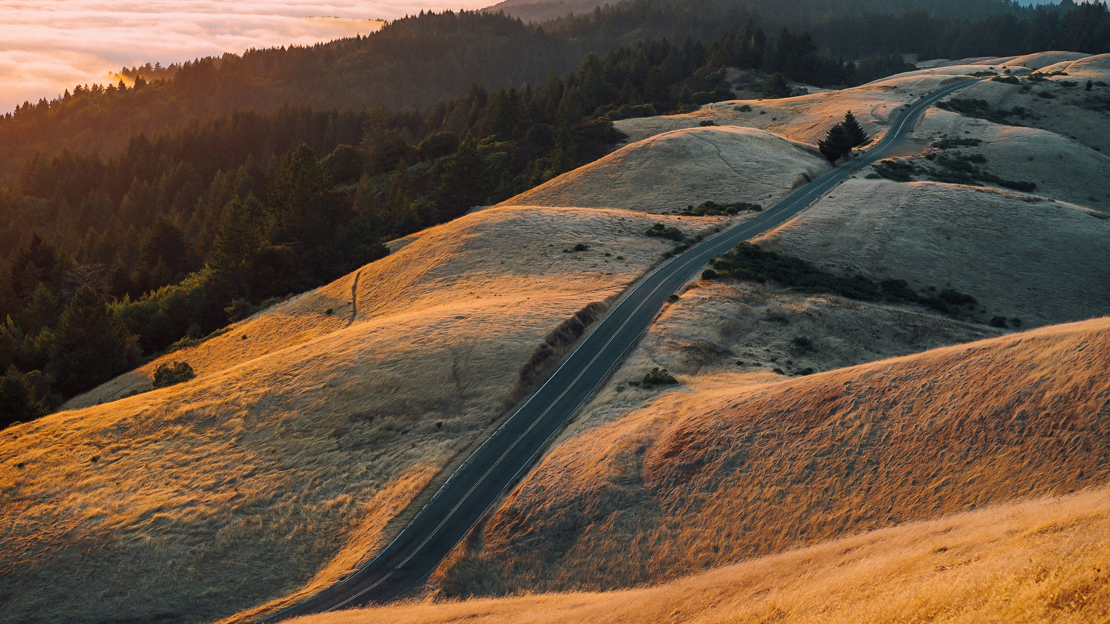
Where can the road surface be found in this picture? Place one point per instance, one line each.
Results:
(466, 495)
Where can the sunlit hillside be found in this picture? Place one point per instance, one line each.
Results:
(707, 474)
(310, 427)
(1042, 560)
(829, 458)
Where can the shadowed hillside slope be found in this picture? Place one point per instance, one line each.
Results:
(1022, 257)
(697, 479)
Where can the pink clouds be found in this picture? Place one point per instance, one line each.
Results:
(47, 46)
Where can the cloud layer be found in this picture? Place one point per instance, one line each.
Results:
(47, 46)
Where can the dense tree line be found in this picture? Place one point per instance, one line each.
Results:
(416, 61)
(1083, 27)
(411, 62)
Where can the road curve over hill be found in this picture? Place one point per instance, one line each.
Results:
(495, 465)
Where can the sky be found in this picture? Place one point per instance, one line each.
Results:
(48, 46)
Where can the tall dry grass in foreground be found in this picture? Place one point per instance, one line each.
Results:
(1045, 560)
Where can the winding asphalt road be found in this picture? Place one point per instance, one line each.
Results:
(466, 495)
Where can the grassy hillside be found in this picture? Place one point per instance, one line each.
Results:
(288, 460)
(685, 168)
(738, 462)
(315, 426)
(1042, 560)
(700, 477)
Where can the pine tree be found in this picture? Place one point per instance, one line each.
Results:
(565, 155)
(464, 180)
(776, 87)
(165, 243)
(239, 237)
(91, 345)
(18, 402)
(836, 143)
(856, 134)
(304, 200)
(38, 262)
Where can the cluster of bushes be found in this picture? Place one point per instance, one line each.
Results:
(751, 263)
(166, 375)
(980, 109)
(949, 143)
(655, 377)
(670, 233)
(713, 209)
(897, 170)
(952, 168)
(842, 137)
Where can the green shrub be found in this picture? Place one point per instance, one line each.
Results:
(707, 123)
(776, 87)
(713, 209)
(802, 343)
(998, 321)
(670, 233)
(1017, 185)
(658, 377)
(708, 274)
(167, 375)
(239, 310)
(896, 170)
(947, 143)
(671, 298)
(981, 109)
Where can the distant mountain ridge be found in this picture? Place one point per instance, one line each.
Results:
(808, 11)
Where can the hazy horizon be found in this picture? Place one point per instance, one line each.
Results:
(48, 46)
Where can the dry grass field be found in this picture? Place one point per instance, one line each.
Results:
(700, 477)
(686, 167)
(1042, 560)
(289, 458)
(314, 425)
(1040, 261)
